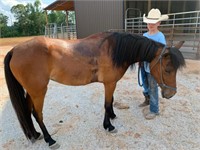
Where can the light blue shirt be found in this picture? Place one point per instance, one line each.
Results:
(158, 37)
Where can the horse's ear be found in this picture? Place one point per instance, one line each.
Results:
(179, 44)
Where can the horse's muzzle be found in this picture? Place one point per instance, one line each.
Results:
(167, 93)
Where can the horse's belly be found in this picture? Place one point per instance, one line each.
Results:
(71, 77)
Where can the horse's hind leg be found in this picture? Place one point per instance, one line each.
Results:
(109, 113)
(36, 134)
(37, 112)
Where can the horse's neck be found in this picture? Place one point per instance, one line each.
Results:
(147, 54)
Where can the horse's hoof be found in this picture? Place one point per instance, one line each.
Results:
(33, 140)
(113, 131)
(54, 146)
(40, 137)
(113, 116)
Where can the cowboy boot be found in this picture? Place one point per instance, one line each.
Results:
(146, 101)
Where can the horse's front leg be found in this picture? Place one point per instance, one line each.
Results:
(112, 114)
(109, 112)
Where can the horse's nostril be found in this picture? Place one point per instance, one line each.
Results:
(168, 94)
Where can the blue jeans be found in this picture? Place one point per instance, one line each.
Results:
(150, 88)
(144, 81)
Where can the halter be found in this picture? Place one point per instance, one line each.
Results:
(161, 75)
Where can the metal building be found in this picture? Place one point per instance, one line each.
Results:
(96, 16)
(92, 16)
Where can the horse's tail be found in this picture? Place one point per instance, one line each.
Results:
(18, 99)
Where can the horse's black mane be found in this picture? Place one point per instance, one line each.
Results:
(130, 48)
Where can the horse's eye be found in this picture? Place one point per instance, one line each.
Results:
(168, 68)
(168, 71)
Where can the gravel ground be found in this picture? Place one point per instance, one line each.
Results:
(74, 117)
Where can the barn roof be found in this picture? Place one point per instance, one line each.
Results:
(67, 5)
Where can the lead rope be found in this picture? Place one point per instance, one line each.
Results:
(139, 70)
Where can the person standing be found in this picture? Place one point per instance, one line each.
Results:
(150, 87)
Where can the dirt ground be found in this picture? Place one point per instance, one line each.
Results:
(74, 115)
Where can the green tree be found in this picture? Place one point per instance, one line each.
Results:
(3, 20)
(36, 17)
(21, 14)
(58, 17)
(30, 18)
(71, 17)
(3, 24)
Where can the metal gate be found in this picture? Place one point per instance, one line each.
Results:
(62, 32)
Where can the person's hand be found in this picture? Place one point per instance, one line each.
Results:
(141, 64)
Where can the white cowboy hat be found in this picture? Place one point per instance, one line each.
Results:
(154, 16)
